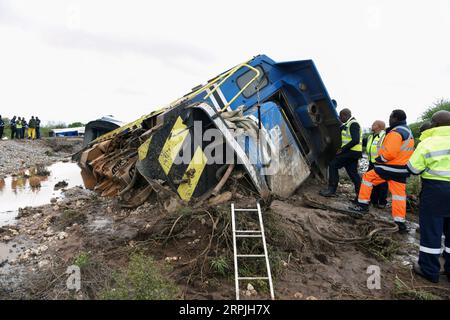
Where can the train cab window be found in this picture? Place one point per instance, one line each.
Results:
(259, 83)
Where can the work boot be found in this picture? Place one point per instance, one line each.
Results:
(359, 209)
(402, 228)
(418, 270)
(328, 192)
(381, 206)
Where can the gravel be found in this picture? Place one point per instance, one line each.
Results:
(16, 155)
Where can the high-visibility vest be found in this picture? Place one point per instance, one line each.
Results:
(19, 125)
(347, 137)
(374, 142)
(432, 157)
(406, 148)
(425, 134)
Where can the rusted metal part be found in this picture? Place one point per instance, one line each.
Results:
(138, 198)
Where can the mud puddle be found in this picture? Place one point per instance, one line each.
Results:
(30, 190)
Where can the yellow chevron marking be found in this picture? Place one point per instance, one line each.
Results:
(143, 148)
(192, 175)
(173, 145)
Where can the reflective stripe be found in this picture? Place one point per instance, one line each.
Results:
(367, 183)
(447, 249)
(346, 136)
(363, 201)
(437, 153)
(374, 141)
(382, 158)
(404, 146)
(412, 169)
(438, 173)
(399, 198)
(392, 169)
(430, 250)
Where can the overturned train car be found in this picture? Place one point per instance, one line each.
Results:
(275, 122)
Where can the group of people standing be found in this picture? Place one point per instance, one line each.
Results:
(21, 129)
(393, 158)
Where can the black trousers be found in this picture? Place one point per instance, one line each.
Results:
(349, 161)
(434, 220)
(1, 133)
(13, 132)
(379, 192)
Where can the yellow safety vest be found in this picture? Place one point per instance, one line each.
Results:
(374, 144)
(432, 156)
(19, 125)
(347, 137)
(425, 134)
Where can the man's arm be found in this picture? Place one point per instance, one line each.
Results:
(416, 164)
(364, 142)
(354, 132)
(390, 148)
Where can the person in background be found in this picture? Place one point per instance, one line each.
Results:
(431, 160)
(12, 126)
(38, 128)
(423, 130)
(32, 128)
(373, 143)
(2, 127)
(19, 126)
(24, 128)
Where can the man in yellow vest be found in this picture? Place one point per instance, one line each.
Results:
(431, 160)
(373, 144)
(19, 127)
(347, 156)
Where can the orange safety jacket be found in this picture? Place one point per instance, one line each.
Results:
(394, 154)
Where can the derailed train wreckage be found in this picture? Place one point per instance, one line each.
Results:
(275, 122)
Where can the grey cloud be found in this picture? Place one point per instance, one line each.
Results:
(163, 50)
(63, 37)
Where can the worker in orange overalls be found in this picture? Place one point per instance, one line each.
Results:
(390, 166)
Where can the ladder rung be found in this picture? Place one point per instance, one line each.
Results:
(255, 210)
(250, 255)
(253, 278)
(249, 236)
(247, 231)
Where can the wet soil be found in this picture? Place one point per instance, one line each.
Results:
(305, 263)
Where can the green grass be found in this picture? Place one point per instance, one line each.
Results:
(141, 280)
(82, 260)
(402, 291)
(413, 185)
(220, 266)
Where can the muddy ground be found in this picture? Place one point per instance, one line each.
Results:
(17, 155)
(314, 253)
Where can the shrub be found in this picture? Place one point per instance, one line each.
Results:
(140, 281)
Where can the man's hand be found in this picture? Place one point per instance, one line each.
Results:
(339, 151)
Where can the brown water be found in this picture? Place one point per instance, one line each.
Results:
(19, 192)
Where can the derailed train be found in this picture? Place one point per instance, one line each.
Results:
(273, 121)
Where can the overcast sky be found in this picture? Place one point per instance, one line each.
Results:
(79, 60)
